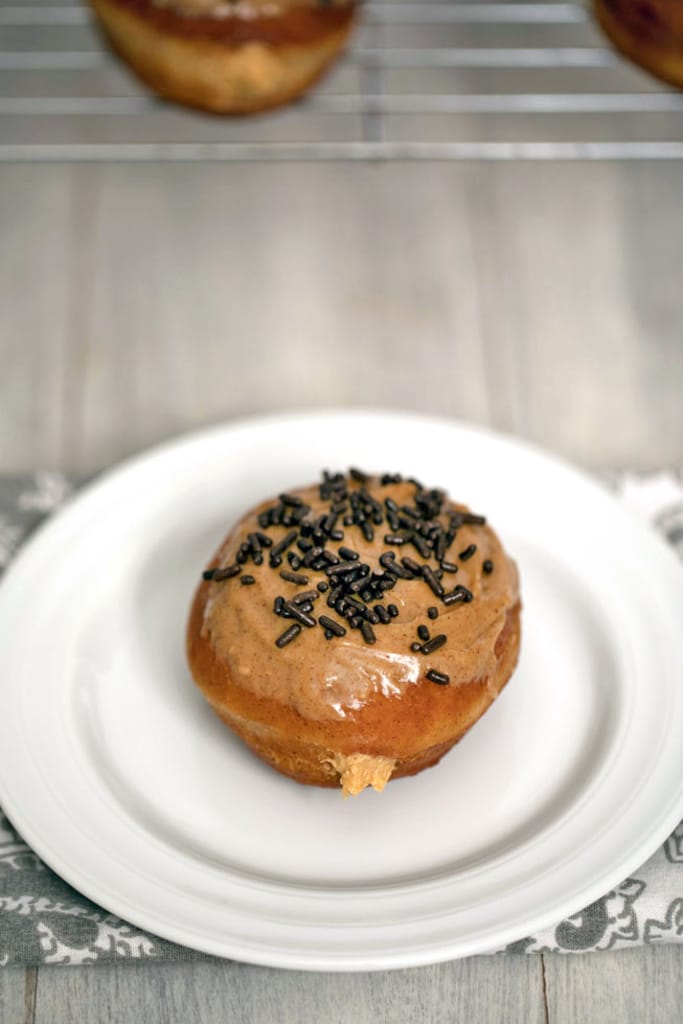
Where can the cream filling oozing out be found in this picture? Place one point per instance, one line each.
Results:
(358, 771)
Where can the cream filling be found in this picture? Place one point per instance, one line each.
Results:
(358, 771)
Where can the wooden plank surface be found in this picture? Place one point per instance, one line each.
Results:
(12, 995)
(36, 246)
(536, 299)
(643, 985)
(482, 989)
(251, 292)
(582, 309)
(139, 302)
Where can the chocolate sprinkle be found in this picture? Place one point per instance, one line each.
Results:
(434, 644)
(467, 553)
(369, 535)
(416, 647)
(283, 544)
(488, 566)
(433, 612)
(393, 610)
(323, 586)
(428, 575)
(298, 614)
(423, 632)
(388, 562)
(331, 626)
(246, 581)
(440, 678)
(368, 632)
(227, 573)
(343, 567)
(421, 545)
(313, 555)
(461, 595)
(288, 635)
(294, 577)
(449, 566)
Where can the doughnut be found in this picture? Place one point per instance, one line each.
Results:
(648, 32)
(227, 56)
(351, 632)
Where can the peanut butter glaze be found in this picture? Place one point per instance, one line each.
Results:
(330, 679)
(276, 22)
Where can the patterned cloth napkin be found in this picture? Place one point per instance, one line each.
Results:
(45, 921)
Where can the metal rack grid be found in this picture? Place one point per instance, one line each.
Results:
(421, 81)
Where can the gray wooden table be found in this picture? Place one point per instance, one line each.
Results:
(141, 300)
(544, 300)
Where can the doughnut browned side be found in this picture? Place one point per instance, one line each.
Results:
(415, 730)
(648, 32)
(426, 639)
(226, 65)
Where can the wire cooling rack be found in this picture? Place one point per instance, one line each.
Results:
(421, 81)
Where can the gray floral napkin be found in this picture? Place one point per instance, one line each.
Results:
(45, 921)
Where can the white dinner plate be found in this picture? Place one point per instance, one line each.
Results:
(115, 770)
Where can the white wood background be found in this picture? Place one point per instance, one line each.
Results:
(138, 302)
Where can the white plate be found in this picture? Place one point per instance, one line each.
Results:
(114, 769)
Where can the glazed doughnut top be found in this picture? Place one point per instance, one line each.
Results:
(330, 595)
